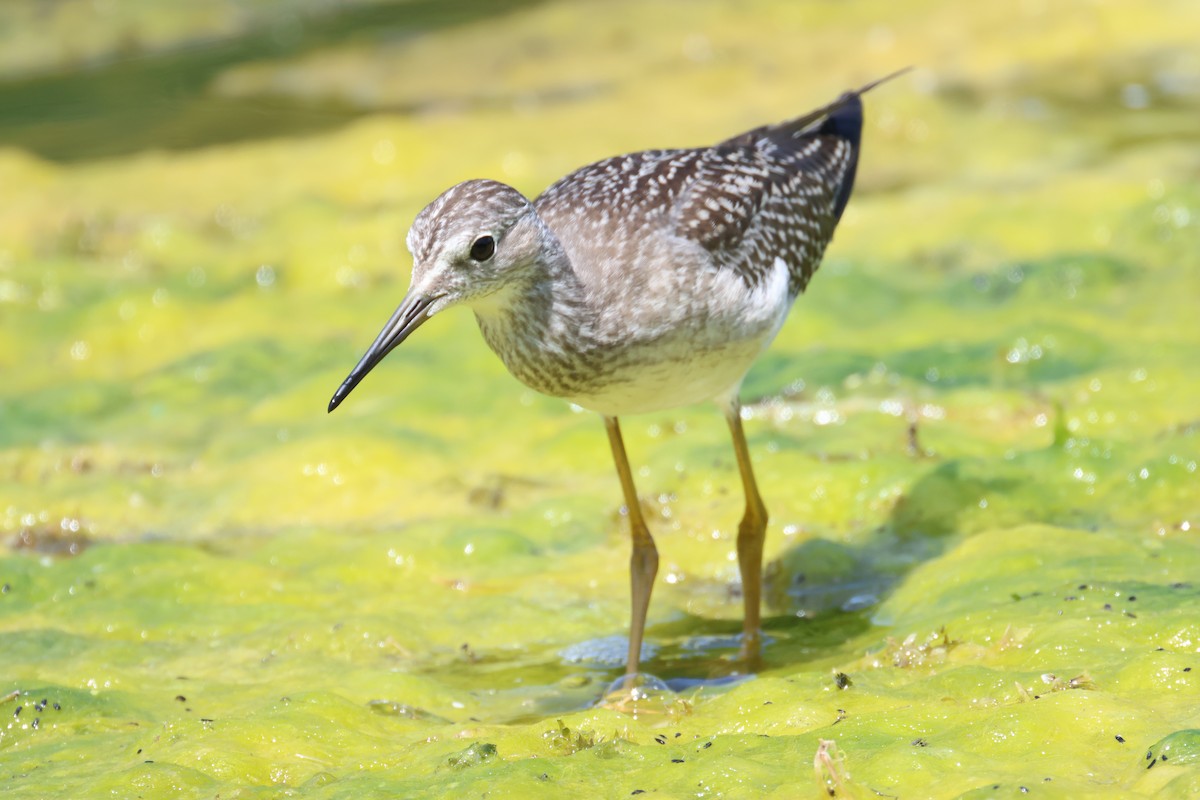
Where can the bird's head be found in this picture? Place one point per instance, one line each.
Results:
(474, 242)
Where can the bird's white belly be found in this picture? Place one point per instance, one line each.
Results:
(692, 378)
(691, 345)
(687, 367)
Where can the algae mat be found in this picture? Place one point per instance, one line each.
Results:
(977, 434)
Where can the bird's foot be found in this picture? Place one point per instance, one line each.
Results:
(750, 654)
(643, 694)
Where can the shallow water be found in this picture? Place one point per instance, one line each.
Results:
(977, 434)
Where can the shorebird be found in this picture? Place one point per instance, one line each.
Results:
(643, 282)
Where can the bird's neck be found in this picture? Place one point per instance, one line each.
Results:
(547, 299)
(542, 325)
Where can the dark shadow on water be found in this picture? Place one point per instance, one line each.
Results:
(694, 657)
(160, 100)
(821, 597)
(823, 594)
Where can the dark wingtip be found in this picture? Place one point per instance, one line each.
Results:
(844, 117)
(891, 76)
(845, 120)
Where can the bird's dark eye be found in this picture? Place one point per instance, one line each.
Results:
(483, 248)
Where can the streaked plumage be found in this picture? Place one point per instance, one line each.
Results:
(641, 282)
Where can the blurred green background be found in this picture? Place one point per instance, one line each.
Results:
(977, 434)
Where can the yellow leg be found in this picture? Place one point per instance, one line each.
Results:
(751, 533)
(643, 564)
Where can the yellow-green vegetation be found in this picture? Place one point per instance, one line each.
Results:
(977, 435)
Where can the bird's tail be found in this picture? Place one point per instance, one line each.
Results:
(843, 118)
(868, 87)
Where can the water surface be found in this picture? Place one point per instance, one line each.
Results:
(977, 434)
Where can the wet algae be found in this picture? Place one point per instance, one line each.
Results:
(977, 435)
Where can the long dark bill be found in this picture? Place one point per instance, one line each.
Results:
(408, 317)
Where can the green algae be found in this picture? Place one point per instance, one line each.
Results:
(977, 435)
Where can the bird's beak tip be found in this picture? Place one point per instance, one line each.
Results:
(335, 401)
(406, 319)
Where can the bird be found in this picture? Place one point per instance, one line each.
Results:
(639, 283)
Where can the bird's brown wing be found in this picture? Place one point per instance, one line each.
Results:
(774, 192)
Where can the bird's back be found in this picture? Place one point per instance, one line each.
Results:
(775, 192)
(685, 263)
